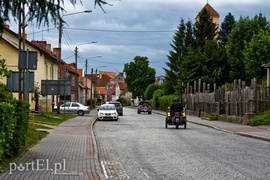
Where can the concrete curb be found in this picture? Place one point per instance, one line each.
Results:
(96, 158)
(225, 130)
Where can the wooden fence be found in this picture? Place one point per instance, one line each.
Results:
(241, 103)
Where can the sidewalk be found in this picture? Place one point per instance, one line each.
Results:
(66, 153)
(260, 132)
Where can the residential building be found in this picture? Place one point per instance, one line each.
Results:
(46, 65)
(47, 68)
(108, 86)
(159, 79)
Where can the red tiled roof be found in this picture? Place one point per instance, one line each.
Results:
(101, 90)
(123, 87)
(109, 74)
(210, 9)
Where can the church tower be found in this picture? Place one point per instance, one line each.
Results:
(213, 13)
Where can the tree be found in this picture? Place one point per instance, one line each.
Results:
(242, 32)
(205, 60)
(43, 11)
(148, 94)
(205, 29)
(139, 76)
(182, 39)
(256, 53)
(225, 30)
(4, 72)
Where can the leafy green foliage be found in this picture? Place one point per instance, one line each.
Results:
(226, 28)
(13, 126)
(182, 41)
(139, 76)
(155, 101)
(242, 33)
(43, 11)
(206, 29)
(261, 119)
(256, 53)
(148, 94)
(4, 72)
(7, 125)
(166, 101)
(4, 95)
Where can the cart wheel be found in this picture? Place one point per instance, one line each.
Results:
(185, 125)
(166, 124)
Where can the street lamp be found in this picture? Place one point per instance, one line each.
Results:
(86, 87)
(76, 67)
(59, 52)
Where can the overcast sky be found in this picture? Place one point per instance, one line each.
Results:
(131, 28)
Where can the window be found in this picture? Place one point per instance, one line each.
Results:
(66, 104)
(75, 105)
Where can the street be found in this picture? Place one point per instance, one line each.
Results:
(138, 146)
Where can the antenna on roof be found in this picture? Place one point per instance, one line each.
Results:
(33, 33)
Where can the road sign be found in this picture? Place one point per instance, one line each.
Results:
(50, 87)
(13, 85)
(27, 60)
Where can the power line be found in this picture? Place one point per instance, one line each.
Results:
(129, 31)
(100, 61)
(41, 31)
(68, 41)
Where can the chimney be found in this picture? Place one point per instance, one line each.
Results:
(56, 52)
(42, 44)
(6, 26)
(48, 47)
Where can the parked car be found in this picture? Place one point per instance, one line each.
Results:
(119, 107)
(107, 112)
(144, 106)
(73, 108)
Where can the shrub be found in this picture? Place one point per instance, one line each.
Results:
(8, 126)
(155, 102)
(148, 94)
(261, 119)
(166, 101)
(22, 123)
(14, 120)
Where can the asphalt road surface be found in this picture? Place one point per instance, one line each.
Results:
(138, 146)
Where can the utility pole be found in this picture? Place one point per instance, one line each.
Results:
(59, 52)
(76, 78)
(86, 87)
(21, 45)
(59, 63)
(92, 80)
(76, 66)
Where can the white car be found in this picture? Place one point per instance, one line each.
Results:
(73, 108)
(107, 112)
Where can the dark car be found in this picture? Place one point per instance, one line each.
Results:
(144, 106)
(119, 107)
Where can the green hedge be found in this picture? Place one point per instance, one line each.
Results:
(14, 120)
(7, 124)
(160, 102)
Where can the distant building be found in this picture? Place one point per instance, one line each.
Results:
(108, 86)
(159, 79)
